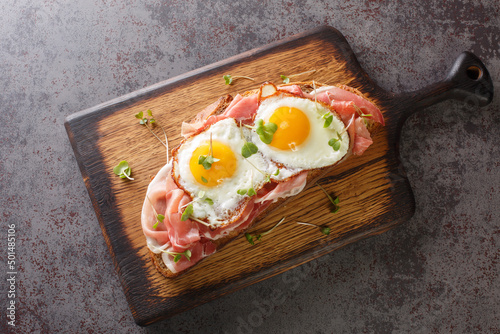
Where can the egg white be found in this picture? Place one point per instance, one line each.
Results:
(226, 201)
(315, 151)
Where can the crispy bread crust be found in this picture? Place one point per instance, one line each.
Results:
(312, 177)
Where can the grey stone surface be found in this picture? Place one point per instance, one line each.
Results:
(437, 273)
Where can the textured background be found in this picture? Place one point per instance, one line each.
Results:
(439, 272)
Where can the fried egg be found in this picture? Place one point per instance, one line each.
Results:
(215, 190)
(301, 142)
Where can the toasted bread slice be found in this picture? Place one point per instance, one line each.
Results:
(312, 177)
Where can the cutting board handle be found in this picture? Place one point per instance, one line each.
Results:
(468, 80)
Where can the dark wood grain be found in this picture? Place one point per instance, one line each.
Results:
(375, 194)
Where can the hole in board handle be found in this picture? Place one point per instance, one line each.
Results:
(474, 72)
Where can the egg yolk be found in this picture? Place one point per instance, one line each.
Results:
(220, 170)
(293, 128)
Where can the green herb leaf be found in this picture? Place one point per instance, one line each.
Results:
(228, 79)
(207, 161)
(336, 146)
(123, 170)
(335, 142)
(150, 113)
(266, 131)
(188, 211)
(277, 172)
(209, 201)
(251, 192)
(201, 193)
(328, 117)
(201, 159)
(204, 180)
(177, 258)
(249, 238)
(159, 219)
(258, 237)
(285, 79)
(334, 202)
(242, 192)
(249, 149)
(140, 116)
(325, 230)
(187, 254)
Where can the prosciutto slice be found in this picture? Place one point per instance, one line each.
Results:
(241, 109)
(188, 129)
(333, 93)
(294, 89)
(289, 188)
(198, 250)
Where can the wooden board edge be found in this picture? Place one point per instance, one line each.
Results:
(155, 88)
(320, 250)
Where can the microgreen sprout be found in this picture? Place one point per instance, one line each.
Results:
(286, 79)
(249, 191)
(229, 79)
(188, 211)
(328, 117)
(268, 176)
(364, 116)
(249, 149)
(123, 170)
(159, 217)
(151, 120)
(360, 112)
(265, 131)
(252, 238)
(201, 196)
(188, 214)
(334, 202)
(177, 256)
(207, 160)
(335, 142)
(204, 180)
(323, 229)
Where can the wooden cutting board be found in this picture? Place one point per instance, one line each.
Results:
(373, 190)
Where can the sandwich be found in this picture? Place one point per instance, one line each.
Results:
(243, 157)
